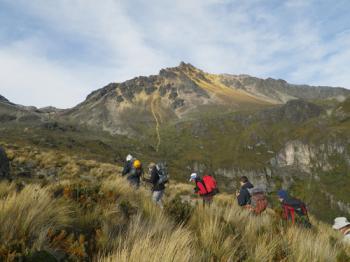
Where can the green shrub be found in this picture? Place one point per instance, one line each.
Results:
(127, 208)
(178, 210)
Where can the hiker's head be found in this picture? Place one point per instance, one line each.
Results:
(137, 164)
(243, 180)
(340, 223)
(128, 157)
(151, 166)
(282, 195)
(193, 177)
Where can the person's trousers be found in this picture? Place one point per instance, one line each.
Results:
(207, 200)
(157, 197)
(134, 182)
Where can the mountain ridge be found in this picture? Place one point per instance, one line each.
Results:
(183, 90)
(175, 93)
(226, 77)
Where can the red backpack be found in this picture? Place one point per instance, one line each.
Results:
(207, 186)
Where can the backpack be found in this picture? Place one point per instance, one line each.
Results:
(258, 200)
(162, 173)
(210, 185)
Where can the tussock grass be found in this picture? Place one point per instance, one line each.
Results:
(27, 216)
(145, 242)
(216, 238)
(105, 219)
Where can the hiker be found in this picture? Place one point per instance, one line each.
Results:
(343, 225)
(294, 210)
(135, 173)
(206, 187)
(128, 165)
(243, 196)
(158, 179)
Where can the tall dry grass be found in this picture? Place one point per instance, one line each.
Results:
(27, 217)
(147, 243)
(149, 235)
(119, 223)
(132, 228)
(216, 239)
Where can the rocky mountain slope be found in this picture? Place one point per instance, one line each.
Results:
(175, 93)
(181, 91)
(279, 91)
(171, 95)
(12, 112)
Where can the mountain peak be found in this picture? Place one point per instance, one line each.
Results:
(182, 67)
(186, 65)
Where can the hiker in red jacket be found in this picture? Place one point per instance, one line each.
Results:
(294, 210)
(205, 187)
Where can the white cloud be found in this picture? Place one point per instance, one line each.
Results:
(31, 80)
(116, 40)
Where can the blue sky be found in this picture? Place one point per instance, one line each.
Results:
(56, 52)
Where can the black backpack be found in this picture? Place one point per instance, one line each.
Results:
(162, 173)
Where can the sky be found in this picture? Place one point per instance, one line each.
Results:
(55, 52)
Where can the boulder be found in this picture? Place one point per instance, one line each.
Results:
(4, 164)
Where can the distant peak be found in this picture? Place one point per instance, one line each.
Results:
(3, 99)
(185, 65)
(182, 67)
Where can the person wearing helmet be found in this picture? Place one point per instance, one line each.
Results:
(205, 187)
(128, 165)
(136, 173)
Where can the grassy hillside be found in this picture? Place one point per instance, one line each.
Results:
(226, 143)
(87, 212)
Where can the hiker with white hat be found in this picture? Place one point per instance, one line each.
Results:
(343, 225)
(205, 187)
(128, 165)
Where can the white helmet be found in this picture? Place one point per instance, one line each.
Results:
(193, 176)
(128, 157)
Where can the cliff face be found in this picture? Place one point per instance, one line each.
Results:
(311, 158)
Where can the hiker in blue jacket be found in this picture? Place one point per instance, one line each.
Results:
(128, 165)
(243, 196)
(158, 187)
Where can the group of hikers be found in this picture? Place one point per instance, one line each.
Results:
(158, 176)
(249, 197)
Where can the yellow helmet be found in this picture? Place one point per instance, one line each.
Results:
(137, 164)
